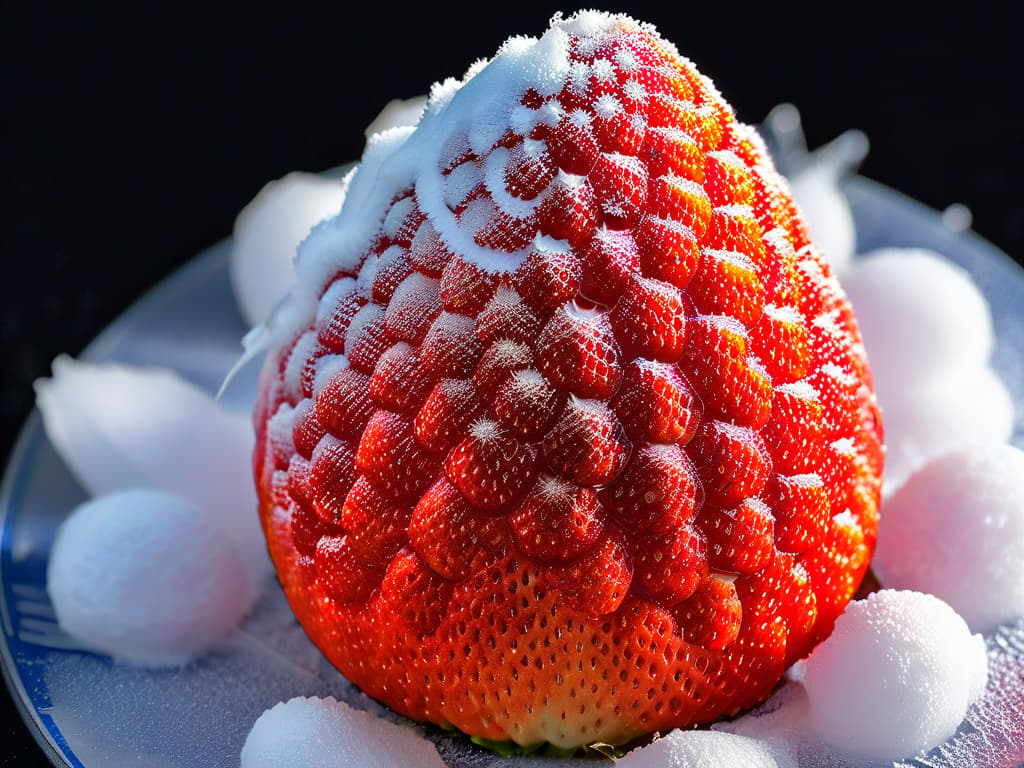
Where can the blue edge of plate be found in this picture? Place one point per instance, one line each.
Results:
(21, 659)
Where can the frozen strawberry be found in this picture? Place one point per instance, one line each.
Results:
(568, 435)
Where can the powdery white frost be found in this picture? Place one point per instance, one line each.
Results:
(118, 427)
(709, 749)
(896, 677)
(143, 576)
(326, 733)
(956, 530)
(268, 231)
(472, 113)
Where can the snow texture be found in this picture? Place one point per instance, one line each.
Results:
(118, 427)
(955, 529)
(268, 231)
(142, 576)
(326, 733)
(896, 677)
(709, 749)
(958, 410)
(471, 114)
(904, 299)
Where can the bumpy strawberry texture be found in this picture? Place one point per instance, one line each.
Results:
(567, 432)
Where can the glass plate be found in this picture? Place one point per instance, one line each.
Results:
(86, 711)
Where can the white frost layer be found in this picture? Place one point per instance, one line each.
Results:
(955, 529)
(709, 749)
(268, 231)
(326, 733)
(118, 427)
(143, 577)
(929, 419)
(471, 114)
(921, 317)
(896, 677)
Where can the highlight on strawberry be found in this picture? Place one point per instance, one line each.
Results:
(566, 433)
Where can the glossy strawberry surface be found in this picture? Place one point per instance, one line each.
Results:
(614, 475)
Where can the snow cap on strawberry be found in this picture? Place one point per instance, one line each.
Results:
(567, 434)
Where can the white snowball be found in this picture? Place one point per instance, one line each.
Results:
(928, 419)
(143, 576)
(119, 427)
(816, 188)
(325, 733)
(896, 677)
(268, 231)
(921, 317)
(708, 749)
(956, 530)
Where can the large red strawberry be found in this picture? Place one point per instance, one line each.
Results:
(572, 436)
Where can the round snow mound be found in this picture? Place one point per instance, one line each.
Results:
(144, 577)
(896, 677)
(955, 529)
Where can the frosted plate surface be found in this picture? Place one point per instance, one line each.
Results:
(89, 712)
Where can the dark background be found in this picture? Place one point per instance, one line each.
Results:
(131, 138)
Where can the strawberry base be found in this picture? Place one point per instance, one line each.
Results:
(547, 672)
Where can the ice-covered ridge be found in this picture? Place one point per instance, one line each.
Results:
(461, 117)
(479, 110)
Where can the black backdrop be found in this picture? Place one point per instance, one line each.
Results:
(131, 138)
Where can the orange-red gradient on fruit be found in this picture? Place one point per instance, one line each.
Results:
(615, 488)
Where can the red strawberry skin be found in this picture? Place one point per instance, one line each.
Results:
(615, 479)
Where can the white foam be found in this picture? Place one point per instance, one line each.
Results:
(326, 733)
(896, 676)
(955, 529)
(144, 577)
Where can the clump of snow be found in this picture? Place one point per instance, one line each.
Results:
(921, 316)
(896, 677)
(326, 733)
(927, 329)
(955, 529)
(119, 427)
(471, 114)
(709, 749)
(142, 576)
(268, 231)
(973, 408)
